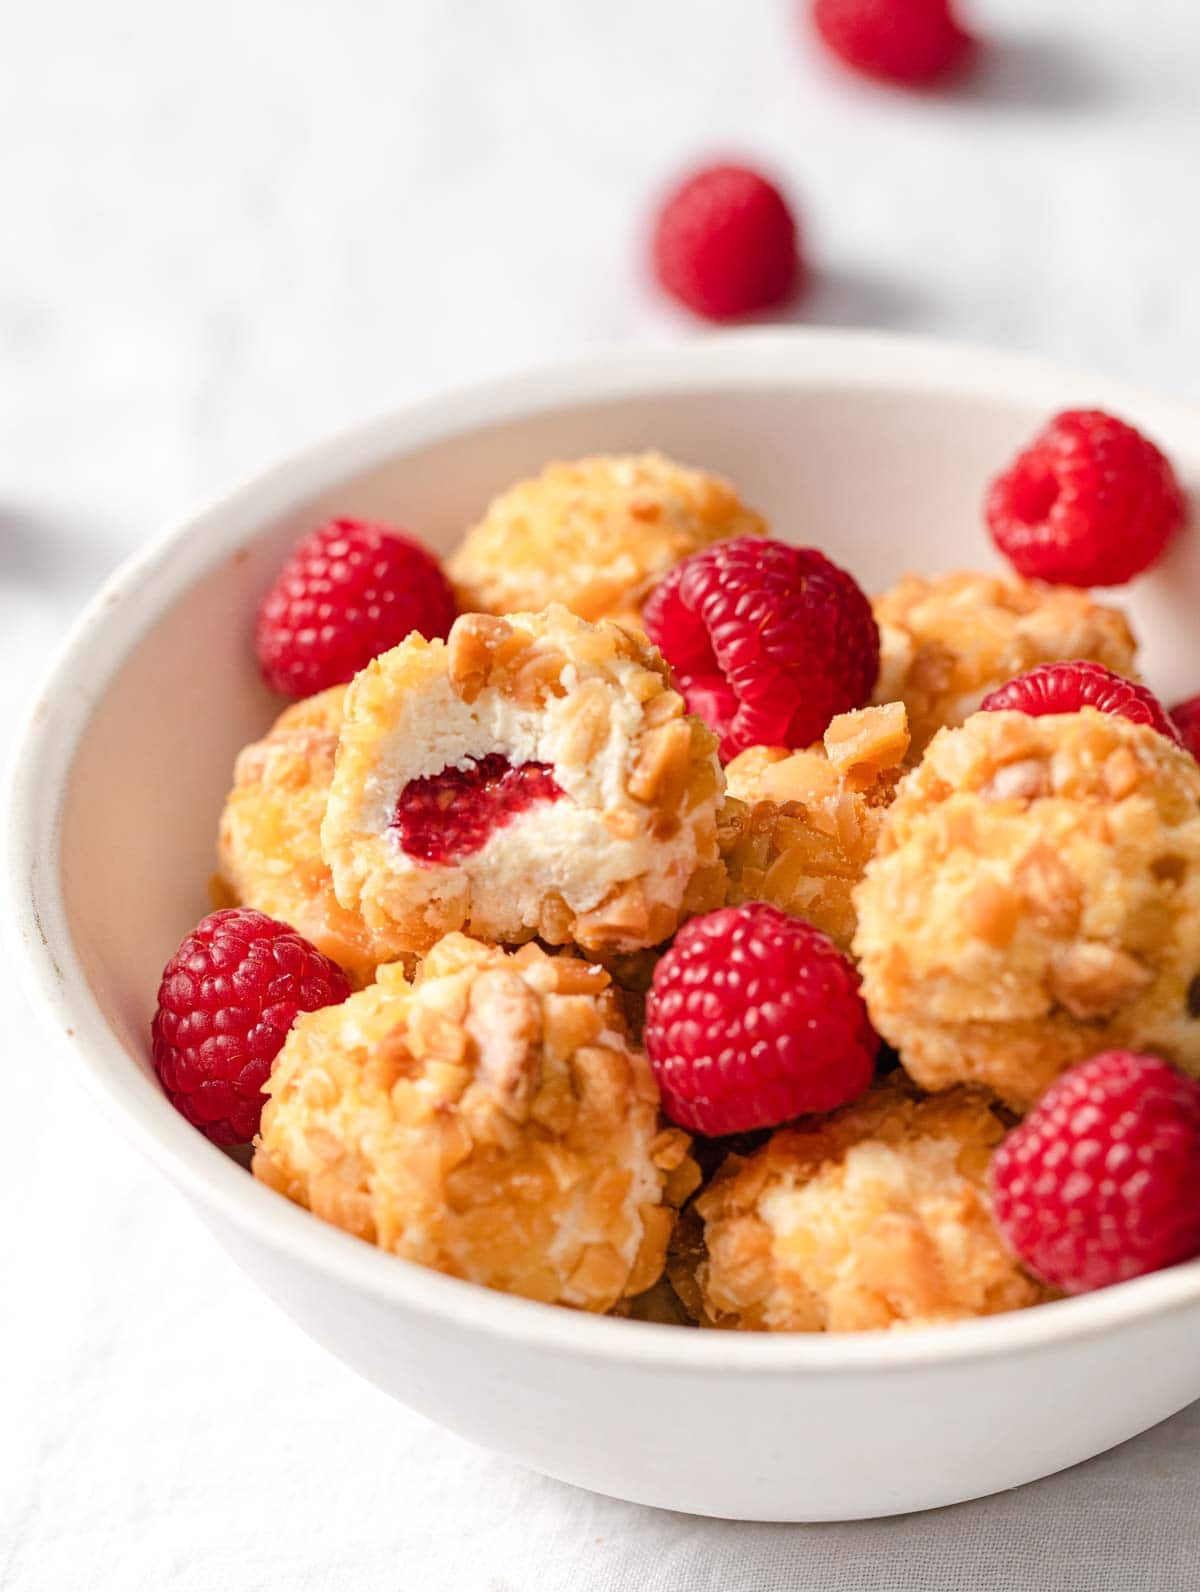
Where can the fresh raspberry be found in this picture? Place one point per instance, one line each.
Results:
(754, 1017)
(725, 244)
(445, 816)
(1090, 502)
(766, 642)
(348, 592)
(899, 41)
(1101, 1182)
(1067, 687)
(1186, 718)
(227, 999)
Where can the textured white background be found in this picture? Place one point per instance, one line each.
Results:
(228, 226)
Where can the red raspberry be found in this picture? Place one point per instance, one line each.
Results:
(1067, 687)
(442, 817)
(766, 642)
(725, 244)
(900, 41)
(1186, 718)
(1090, 502)
(348, 592)
(227, 999)
(754, 1017)
(1101, 1182)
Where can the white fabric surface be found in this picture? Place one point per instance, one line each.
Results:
(230, 226)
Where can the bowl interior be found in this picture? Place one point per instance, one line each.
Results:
(876, 456)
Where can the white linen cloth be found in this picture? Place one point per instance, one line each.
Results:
(230, 226)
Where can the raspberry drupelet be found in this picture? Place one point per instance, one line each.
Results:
(873, 1218)
(766, 641)
(946, 641)
(798, 828)
(596, 535)
(1101, 1181)
(492, 1121)
(534, 775)
(1090, 502)
(348, 592)
(269, 844)
(1035, 896)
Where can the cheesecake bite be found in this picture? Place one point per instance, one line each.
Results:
(534, 775)
(1034, 899)
(875, 1217)
(596, 535)
(492, 1120)
(799, 827)
(945, 642)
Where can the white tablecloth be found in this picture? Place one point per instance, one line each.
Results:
(229, 226)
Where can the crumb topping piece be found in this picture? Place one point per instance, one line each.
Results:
(798, 828)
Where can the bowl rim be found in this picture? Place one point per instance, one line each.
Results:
(117, 617)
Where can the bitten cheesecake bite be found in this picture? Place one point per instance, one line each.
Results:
(534, 775)
(1035, 898)
(875, 1217)
(596, 535)
(269, 846)
(492, 1121)
(799, 827)
(947, 641)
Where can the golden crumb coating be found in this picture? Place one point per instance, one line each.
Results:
(1035, 898)
(947, 641)
(625, 851)
(875, 1217)
(491, 1121)
(596, 535)
(800, 827)
(269, 843)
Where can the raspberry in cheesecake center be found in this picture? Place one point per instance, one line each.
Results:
(442, 817)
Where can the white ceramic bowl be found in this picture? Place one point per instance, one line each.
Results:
(872, 448)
